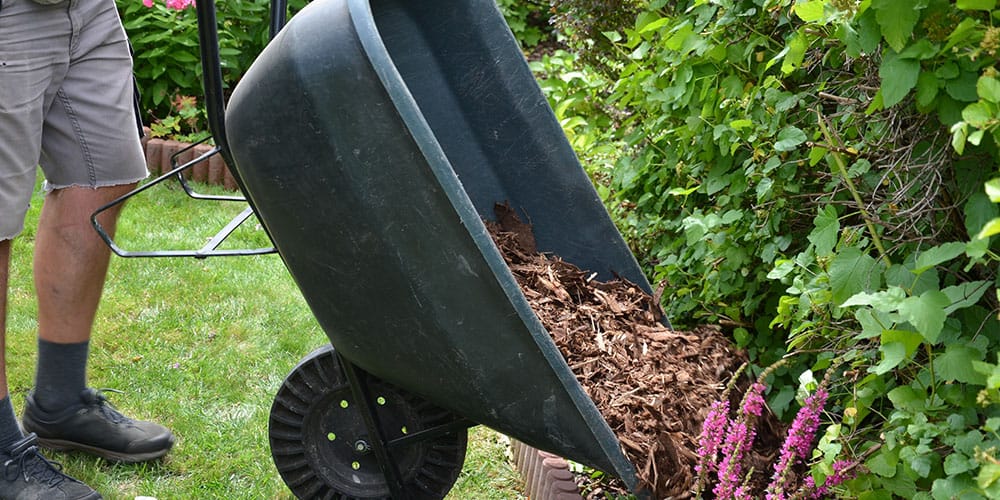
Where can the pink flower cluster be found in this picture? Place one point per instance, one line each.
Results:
(713, 431)
(798, 443)
(724, 442)
(172, 4)
(739, 439)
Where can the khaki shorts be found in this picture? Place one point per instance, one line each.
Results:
(66, 102)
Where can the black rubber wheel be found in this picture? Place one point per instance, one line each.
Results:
(320, 444)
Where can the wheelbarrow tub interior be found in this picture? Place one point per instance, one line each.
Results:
(373, 137)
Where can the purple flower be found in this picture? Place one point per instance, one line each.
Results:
(753, 402)
(739, 439)
(798, 443)
(713, 430)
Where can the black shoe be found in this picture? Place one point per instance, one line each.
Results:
(27, 475)
(95, 427)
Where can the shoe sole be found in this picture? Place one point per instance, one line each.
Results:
(114, 456)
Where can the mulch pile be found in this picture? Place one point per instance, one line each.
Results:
(653, 385)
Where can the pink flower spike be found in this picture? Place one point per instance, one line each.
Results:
(799, 441)
(753, 402)
(713, 433)
(147, 3)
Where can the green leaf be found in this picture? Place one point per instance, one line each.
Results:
(992, 227)
(654, 25)
(978, 211)
(789, 138)
(993, 190)
(897, 19)
(816, 154)
(977, 114)
(957, 484)
(963, 87)
(795, 52)
(826, 231)
(991, 372)
(893, 353)
(676, 40)
(965, 295)
(810, 11)
(988, 474)
(922, 49)
(907, 398)
(908, 339)
(988, 88)
(884, 301)
(921, 464)
(884, 462)
(678, 191)
(977, 248)
(852, 272)
(926, 313)
(954, 365)
(976, 4)
(740, 124)
(938, 255)
(899, 75)
(927, 88)
(959, 133)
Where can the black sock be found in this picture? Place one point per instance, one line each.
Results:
(61, 375)
(10, 432)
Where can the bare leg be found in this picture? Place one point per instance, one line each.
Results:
(71, 261)
(4, 271)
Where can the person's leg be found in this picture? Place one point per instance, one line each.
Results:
(9, 431)
(28, 66)
(91, 154)
(71, 262)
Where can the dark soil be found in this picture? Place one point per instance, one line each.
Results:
(652, 384)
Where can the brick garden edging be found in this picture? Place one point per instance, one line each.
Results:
(160, 151)
(546, 476)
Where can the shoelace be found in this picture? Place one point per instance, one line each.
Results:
(97, 397)
(31, 463)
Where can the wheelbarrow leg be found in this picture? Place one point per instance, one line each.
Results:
(378, 442)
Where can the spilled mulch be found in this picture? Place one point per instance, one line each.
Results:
(653, 385)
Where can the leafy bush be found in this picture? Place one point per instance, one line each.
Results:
(167, 57)
(810, 174)
(529, 21)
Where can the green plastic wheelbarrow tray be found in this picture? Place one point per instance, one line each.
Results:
(372, 139)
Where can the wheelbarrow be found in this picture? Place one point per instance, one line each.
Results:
(372, 138)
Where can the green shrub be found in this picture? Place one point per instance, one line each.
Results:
(810, 174)
(529, 21)
(168, 59)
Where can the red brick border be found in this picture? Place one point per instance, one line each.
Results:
(546, 476)
(211, 171)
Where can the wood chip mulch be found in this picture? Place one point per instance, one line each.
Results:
(653, 385)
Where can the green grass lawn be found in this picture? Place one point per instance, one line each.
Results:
(200, 346)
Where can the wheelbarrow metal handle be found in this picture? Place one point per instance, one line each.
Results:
(211, 248)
